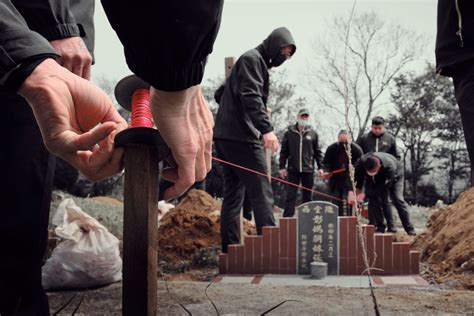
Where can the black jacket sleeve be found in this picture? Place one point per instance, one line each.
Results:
(285, 151)
(19, 47)
(166, 43)
(359, 174)
(361, 143)
(328, 159)
(394, 149)
(317, 153)
(250, 92)
(356, 152)
(218, 93)
(53, 19)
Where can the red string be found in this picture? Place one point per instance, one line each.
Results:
(278, 179)
(141, 116)
(141, 112)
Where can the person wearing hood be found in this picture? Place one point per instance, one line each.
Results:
(336, 167)
(242, 131)
(299, 150)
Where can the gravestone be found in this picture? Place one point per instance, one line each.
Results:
(317, 236)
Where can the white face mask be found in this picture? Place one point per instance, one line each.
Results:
(372, 174)
(303, 123)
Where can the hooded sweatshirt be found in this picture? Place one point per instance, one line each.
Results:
(242, 114)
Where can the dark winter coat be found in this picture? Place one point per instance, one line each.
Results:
(390, 172)
(385, 143)
(455, 36)
(166, 43)
(300, 149)
(242, 114)
(336, 158)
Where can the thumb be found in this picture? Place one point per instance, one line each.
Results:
(88, 139)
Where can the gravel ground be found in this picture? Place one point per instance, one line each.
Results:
(248, 299)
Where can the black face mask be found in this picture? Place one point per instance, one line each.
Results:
(342, 143)
(280, 59)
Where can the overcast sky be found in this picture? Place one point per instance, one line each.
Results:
(245, 23)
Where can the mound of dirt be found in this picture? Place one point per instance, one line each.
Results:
(448, 244)
(188, 227)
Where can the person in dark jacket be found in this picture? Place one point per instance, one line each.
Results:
(26, 165)
(241, 124)
(37, 38)
(336, 159)
(455, 58)
(300, 148)
(382, 176)
(378, 140)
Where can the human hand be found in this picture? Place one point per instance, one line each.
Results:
(68, 110)
(360, 197)
(185, 123)
(271, 141)
(283, 173)
(75, 56)
(351, 198)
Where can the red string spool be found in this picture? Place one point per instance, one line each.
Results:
(141, 112)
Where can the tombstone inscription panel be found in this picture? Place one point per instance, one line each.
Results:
(317, 235)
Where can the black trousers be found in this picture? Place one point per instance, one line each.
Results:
(247, 207)
(380, 206)
(25, 192)
(464, 91)
(236, 181)
(385, 208)
(341, 192)
(306, 179)
(395, 193)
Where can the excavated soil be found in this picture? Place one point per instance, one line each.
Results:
(192, 225)
(189, 234)
(448, 243)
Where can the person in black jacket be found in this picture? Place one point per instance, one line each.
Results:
(299, 150)
(455, 58)
(382, 176)
(26, 165)
(36, 39)
(241, 124)
(378, 140)
(336, 159)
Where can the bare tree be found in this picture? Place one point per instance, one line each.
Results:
(283, 100)
(357, 66)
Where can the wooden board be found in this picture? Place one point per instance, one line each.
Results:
(140, 231)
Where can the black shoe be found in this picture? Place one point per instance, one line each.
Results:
(392, 229)
(380, 230)
(411, 232)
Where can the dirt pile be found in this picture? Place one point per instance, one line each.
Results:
(190, 226)
(448, 244)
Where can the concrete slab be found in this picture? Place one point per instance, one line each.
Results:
(329, 281)
(237, 279)
(399, 280)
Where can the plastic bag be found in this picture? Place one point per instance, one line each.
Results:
(163, 208)
(89, 255)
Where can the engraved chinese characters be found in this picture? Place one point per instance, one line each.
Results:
(317, 236)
